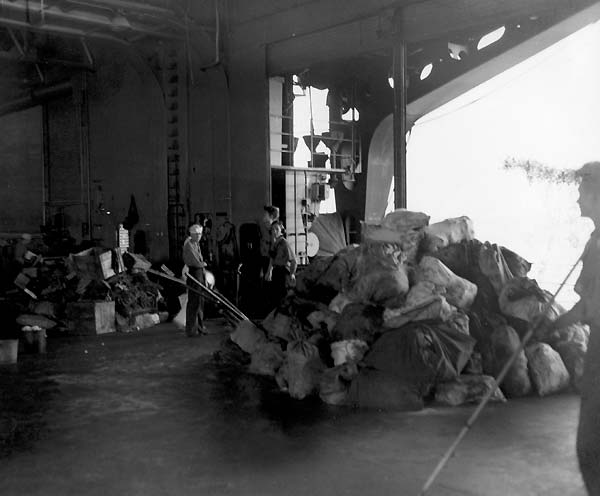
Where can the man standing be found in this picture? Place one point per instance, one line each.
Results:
(282, 265)
(270, 215)
(192, 257)
(587, 310)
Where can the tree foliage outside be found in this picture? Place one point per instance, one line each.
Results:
(536, 171)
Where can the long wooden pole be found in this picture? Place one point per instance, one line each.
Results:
(497, 381)
(203, 291)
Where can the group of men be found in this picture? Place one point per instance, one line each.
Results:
(278, 267)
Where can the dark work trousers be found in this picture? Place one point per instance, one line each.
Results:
(194, 311)
(588, 433)
(279, 284)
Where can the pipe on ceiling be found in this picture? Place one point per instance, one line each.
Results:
(61, 30)
(125, 5)
(11, 57)
(27, 8)
(36, 97)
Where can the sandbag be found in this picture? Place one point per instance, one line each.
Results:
(406, 243)
(382, 287)
(575, 333)
(494, 266)
(482, 324)
(334, 384)
(434, 308)
(384, 391)
(421, 353)
(474, 366)
(45, 308)
(341, 269)
(35, 320)
(573, 355)
(282, 326)
(546, 368)
(459, 292)
(323, 320)
(358, 321)
(307, 280)
(266, 359)
(327, 276)
(448, 231)
(421, 292)
(301, 370)
(503, 343)
(523, 299)
(247, 336)
(350, 350)
(463, 260)
(339, 302)
(380, 277)
(519, 267)
(145, 320)
(459, 320)
(467, 389)
(402, 220)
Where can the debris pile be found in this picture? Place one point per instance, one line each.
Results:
(415, 313)
(90, 292)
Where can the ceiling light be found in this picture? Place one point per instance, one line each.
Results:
(426, 71)
(457, 51)
(490, 38)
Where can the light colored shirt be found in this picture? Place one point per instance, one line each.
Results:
(192, 255)
(282, 255)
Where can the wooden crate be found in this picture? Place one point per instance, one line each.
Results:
(91, 317)
(93, 263)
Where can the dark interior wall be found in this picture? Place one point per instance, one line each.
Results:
(127, 149)
(67, 200)
(209, 154)
(248, 91)
(21, 167)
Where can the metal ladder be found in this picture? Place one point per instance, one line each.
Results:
(172, 88)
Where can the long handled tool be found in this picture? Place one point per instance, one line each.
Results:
(497, 381)
(205, 290)
(219, 297)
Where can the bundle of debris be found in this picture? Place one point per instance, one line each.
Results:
(91, 292)
(415, 313)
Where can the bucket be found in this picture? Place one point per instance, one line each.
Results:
(9, 349)
(34, 341)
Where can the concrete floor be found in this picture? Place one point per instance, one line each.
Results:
(149, 414)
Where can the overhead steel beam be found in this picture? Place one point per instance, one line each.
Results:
(433, 19)
(478, 75)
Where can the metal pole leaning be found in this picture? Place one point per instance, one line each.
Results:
(218, 296)
(497, 381)
(204, 290)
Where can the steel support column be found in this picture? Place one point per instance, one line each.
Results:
(399, 60)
